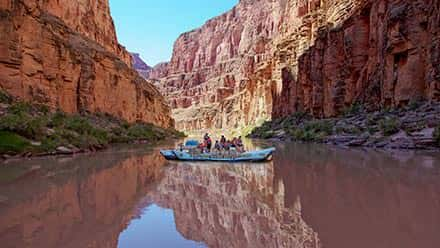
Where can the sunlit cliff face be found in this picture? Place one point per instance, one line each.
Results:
(269, 59)
(64, 54)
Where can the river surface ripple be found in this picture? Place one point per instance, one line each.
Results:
(308, 196)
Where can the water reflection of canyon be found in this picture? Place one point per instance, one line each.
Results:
(309, 196)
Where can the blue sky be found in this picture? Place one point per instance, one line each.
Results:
(150, 27)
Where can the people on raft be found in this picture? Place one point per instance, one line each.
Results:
(236, 144)
(206, 145)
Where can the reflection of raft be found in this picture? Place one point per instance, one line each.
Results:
(187, 155)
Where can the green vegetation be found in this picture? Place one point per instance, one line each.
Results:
(298, 126)
(4, 97)
(358, 127)
(415, 104)
(354, 109)
(315, 130)
(12, 143)
(389, 126)
(28, 128)
(437, 135)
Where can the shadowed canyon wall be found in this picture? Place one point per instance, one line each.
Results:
(82, 202)
(65, 54)
(268, 59)
(140, 65)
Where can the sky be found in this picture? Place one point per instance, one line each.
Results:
(150, 27)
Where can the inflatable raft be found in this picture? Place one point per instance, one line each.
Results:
(187, 155)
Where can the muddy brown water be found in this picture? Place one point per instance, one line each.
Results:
(309, 196)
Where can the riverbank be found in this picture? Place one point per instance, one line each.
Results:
(416, 126)
(28, 130)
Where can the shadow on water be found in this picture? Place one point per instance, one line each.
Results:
(309, 196)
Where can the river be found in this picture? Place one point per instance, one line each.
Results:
(308, 196)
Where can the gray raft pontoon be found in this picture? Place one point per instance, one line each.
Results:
(253, 156)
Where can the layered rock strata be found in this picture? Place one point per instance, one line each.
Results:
(141, 66)
(66, 55)
(385, 54)
(268, 59)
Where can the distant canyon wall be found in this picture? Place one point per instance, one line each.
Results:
(268, 59)
(140, 66)
(65, 54)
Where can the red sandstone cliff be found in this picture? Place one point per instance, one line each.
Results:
(266, 59)
(65, 54)
(383, 53)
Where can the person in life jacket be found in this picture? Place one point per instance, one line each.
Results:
(223, 141)
(208, 142)
(240, 146)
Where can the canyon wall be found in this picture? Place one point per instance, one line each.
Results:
(268, 59)
(65, 54)
(385, 54)
(140, 66)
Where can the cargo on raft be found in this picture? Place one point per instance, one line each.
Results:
(191, 153)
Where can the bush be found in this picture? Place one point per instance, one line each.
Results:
(307, 135)
(389, 126)
(35, 127)
(11, 142)
(5, 97)
(57, 119)
(24, 124)
(267, 135)
(78, 124)
(353, 109)
(141, 131)
(319, 126)
(437, 135)
(12, 122)
(20, 108)
(415, 104)
(51, 143)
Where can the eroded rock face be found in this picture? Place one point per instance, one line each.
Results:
(268, 59)
(212, 80)
(140, 65)
(383, 54)
(90, 18)
(66, 55)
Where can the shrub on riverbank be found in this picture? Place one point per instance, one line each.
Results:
(389, 126)
(11, 142)
(437, 135)
(407, 127)
(299, 126)
(34, 129)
